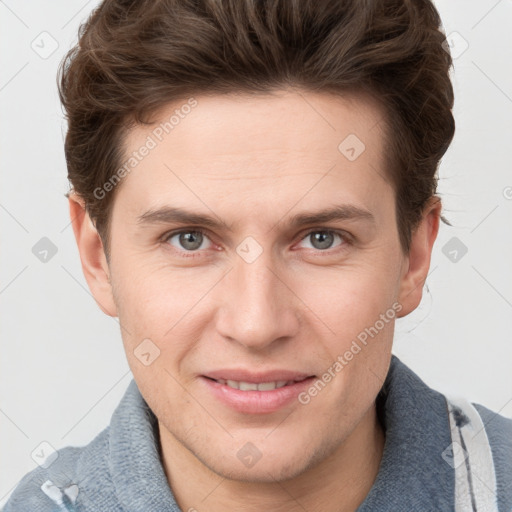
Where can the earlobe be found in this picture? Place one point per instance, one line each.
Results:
(92, 255)
(418, 260)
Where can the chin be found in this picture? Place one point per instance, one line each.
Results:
(273, 466)
(263, 472)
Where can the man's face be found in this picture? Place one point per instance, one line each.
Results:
(253, 292)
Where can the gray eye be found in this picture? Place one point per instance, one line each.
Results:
(322, 240)
(188, 240)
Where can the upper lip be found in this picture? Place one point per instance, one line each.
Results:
(241, 375)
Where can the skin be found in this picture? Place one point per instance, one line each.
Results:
(255, 161)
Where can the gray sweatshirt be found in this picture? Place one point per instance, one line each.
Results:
(429, 464)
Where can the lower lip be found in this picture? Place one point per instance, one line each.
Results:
(256, 402)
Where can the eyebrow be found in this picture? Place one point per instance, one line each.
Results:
(173, 215)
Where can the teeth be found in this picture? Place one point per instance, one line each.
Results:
(252, 386)
(267, 386)
(247, 386)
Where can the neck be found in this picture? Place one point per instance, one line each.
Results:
(339, 483)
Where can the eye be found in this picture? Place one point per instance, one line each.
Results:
(188, 240)
(192, 240)
(323, 239)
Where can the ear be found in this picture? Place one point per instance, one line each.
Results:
(92, 255)
(417, 262)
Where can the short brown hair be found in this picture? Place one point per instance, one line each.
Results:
(134, 57)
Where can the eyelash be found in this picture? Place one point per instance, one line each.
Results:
(347, 240)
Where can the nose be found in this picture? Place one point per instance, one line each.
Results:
(258, 307)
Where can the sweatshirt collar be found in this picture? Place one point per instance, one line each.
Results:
(413, 474)
(137, 471)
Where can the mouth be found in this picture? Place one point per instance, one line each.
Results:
(257, 394)
(257, 386)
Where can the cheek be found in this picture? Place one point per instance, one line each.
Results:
(357, 309)
(153, 298)
(161, 306)
(360, 315)
(348, 299)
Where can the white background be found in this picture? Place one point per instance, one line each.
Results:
(63, 368)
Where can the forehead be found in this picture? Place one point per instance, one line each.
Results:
(240, 123)
(250, 147)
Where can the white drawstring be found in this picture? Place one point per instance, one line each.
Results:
(471, 457)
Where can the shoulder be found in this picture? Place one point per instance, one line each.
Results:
(483, 454)
(88, 477)
(464, 434)
(56, 487)
(486, 426)
(498, 429)
(497, 426)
